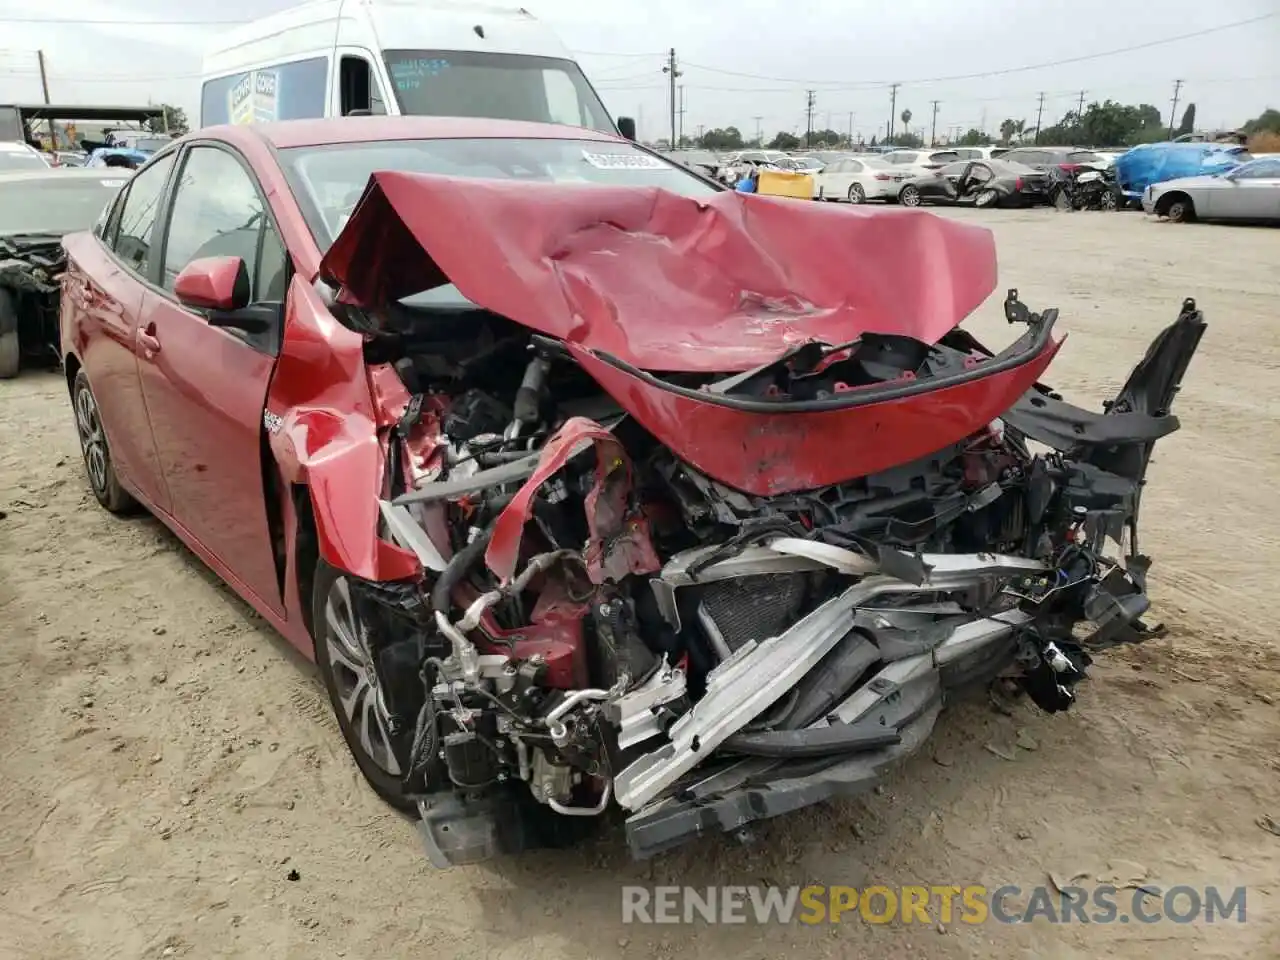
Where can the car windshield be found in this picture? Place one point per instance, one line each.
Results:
(13, 158)
(464, 83)
(328, 180)
(60, 204)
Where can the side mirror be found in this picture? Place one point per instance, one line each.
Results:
(627, 127)
(213, 283)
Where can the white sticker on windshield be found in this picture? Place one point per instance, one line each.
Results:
(623, 161)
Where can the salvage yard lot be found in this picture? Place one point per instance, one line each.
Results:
(167, 762)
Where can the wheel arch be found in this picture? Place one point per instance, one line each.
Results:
(1167, 200)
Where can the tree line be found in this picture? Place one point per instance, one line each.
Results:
(1106, 124)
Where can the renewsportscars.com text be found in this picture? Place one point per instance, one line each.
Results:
(971, 904)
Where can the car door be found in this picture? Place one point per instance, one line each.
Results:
(104, 288)
(1250, 192)
(206, 385)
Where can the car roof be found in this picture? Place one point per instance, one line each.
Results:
(314, 133)
(66, 173)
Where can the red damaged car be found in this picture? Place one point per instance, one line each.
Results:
(591, 486)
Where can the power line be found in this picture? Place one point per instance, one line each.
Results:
(999, 73)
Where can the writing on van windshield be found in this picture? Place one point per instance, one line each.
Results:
(409, 74)
(255, 98)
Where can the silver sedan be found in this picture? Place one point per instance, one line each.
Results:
(1251, 191)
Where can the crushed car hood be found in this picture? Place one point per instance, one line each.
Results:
(659, 281)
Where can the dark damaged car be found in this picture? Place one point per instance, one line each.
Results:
(591, 487)
(37, 207)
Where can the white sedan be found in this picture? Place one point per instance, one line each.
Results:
(1250, 191)
(858, 179)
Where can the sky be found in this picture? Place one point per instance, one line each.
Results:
(749, 63)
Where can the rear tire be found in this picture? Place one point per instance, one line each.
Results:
(987, 198)
(98, 465)
(857, 194)
(909, 197)
(342, 644)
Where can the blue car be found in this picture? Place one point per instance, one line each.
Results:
(1151, 163)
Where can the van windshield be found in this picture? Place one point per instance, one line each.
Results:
(464, 83)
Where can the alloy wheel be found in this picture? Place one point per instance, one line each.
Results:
(93, 442)
(857, 194)
(910, 197)
(985, 199)
(1109, 201)
(355, 679)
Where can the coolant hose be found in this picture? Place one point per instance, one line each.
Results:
(458, 567)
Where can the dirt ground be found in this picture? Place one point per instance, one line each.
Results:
(167, 762)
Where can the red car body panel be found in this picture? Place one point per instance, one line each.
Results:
(769, 454)
(326, 437)
(718, 283)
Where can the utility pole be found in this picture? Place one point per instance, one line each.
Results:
(893, 106)
(1173, 113)
(1039, 113)
(933, 132)
(681, 112)
(808, 117)
(759, 132)
(672, 72)
(851, 128)
(44, 86)
(1080, 107)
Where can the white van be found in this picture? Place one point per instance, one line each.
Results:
(337, 58)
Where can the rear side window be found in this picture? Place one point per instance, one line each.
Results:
(286, 91)
(137, 224)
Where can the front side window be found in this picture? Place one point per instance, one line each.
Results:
(217, 212)
(468, 83)
(286, 91)
(1264, 169)
(137, 224)
(329, 180)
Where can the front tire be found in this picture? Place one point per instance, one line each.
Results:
(1180, 210)
(857, 194)
(346, 667)
(909, 197)
(98, 465)
(10, 349)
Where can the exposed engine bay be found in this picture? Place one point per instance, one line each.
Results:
(31, 266)
(613, 618)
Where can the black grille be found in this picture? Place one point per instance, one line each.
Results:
(754, 608)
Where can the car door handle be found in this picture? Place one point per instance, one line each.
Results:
(148, 340)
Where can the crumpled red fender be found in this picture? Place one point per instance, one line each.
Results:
(619, 542)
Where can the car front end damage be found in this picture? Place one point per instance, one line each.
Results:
(31, 266)
(711, 584)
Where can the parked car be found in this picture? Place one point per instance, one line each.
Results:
(500, 496)
(16, 155)
(38, 207)
(858, 179)
(1149, 163)
(1066, 159)
(699, 161)
(920, 162)
(982, 183)
(809, 165)
(979, 153)
(1250, 191)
